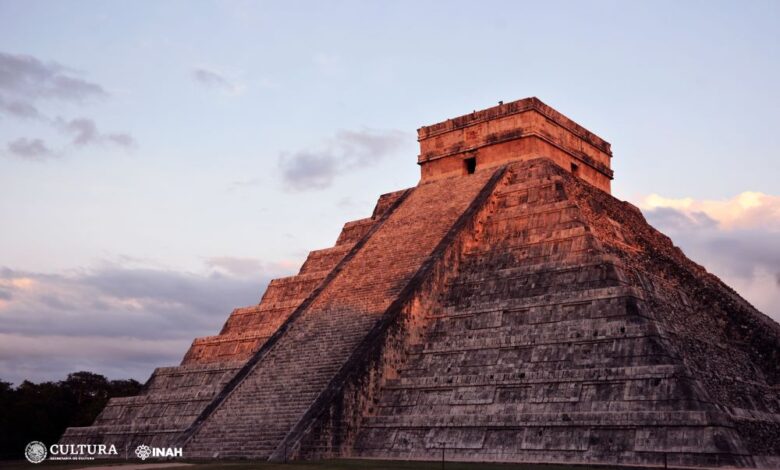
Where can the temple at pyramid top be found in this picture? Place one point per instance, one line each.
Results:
(516, 131)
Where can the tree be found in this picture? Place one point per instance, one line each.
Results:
(41, 412)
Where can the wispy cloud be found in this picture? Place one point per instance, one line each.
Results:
(29, 78)
(312, 169)
(19, 109)
(747, 210)
(85, 132)
(736, 238)
(217, 81)
(116, 319)
(29, 149)
(25, 81)
(44, 357)
(243, 267)
(244, 183)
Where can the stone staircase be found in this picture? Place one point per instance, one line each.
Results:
(274, 397)
(171, 399)
(248, 328)
(175, 397)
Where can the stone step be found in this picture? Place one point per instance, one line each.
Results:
(505, 293)
(620, 314)
(493, 405)
(523, 253)
(568, 338)
(185, 369)
(616, 418)
(474, 266)
(536, 213)
(522, 238)
(195, 393)
(552, 300)
(544, 376)
(326, 259)
(510, 447)
(354, 231)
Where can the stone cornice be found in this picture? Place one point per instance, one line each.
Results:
(508, 109)
(421, 159)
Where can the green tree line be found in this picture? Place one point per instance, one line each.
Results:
(41, 412)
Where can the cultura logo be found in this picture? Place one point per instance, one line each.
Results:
(35, 452)
(80, 451)
(143, 452)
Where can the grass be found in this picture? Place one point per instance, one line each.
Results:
(345, 464)
(383, 465)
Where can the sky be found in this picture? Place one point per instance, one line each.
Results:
(161, 161)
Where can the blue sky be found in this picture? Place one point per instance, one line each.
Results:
(154, 151)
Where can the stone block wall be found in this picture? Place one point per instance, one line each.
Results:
(516, 131)
(731, 349)
(545, 348)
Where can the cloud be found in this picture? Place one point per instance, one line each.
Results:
(29, 78)
(25, 80)
(250, 267)
(313, 169)
(19, 109)
(85, 132)
(749, 209)
(46, 357)
(215, 80)
(304, 170)
(245, 183)
(29, 149)
(236, 266)
(736, 238)
(674, 219)
(121, 139)
(119, 320)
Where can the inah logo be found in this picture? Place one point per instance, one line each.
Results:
(143, 451)
(167, 452)
(35, 452)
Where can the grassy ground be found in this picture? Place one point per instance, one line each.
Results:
(383, 465)
(315, 465)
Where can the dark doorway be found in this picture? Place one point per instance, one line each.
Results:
(575, 169)
(471, 165)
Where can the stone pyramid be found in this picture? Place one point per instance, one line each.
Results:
(505, 309)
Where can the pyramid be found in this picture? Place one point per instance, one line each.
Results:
(505, 309)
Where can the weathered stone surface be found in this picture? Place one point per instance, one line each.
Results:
(174, 397)
(263, 408)
(518, 313)
(551, 345)
(512, 132)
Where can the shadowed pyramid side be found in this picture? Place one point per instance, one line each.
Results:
(549, 345)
